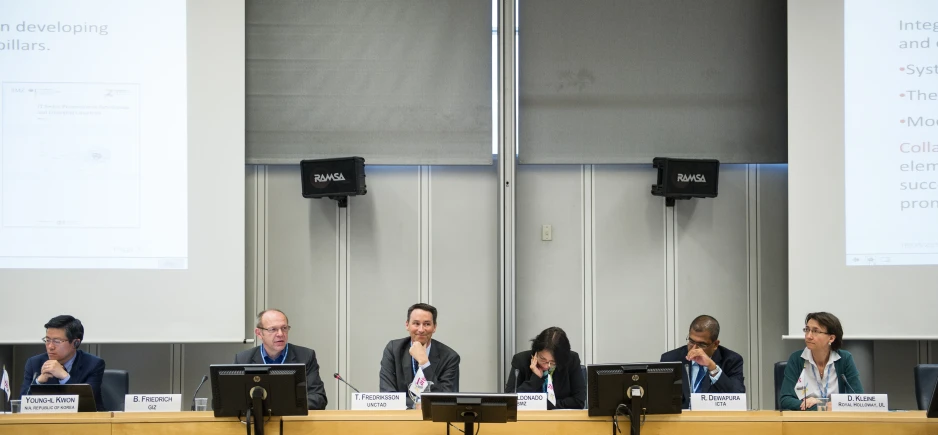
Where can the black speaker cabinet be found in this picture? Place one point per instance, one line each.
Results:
(333, 178)
(686, 178)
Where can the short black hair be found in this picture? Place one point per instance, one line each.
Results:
(832, 323)
(707, 323)
(72, 326)
(422, 306)
(555, 340)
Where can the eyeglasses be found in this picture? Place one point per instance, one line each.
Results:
(54, 341)
(545, 361)
(809, 331)
(285, 329)
(699, 344)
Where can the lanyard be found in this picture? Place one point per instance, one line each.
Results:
(827, 383)
(700, 377)
(282, 358)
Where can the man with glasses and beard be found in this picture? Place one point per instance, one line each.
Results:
(272, 329)
(709, 367)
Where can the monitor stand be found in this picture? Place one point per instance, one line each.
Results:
(635, 414)
(468, 423)
(256, 411)
(472, 418)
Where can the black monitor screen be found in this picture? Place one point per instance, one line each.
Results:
(83, 391)
(479, 407)
(284, 384)
(608, 386)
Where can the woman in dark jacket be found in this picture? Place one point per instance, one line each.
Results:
(549, 367)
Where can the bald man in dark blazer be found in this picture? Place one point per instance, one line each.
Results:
(708, 366)
(273, 330)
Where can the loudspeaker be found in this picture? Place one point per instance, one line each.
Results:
(333, 178)
(686, 178)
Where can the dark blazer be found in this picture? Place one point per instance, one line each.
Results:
(844, 366)
(569, 385)
(315, 390)
(397, 371)
(87, 369)
(731, 380)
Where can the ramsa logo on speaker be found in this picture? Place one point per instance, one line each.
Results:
(323, 178)
(691, 178)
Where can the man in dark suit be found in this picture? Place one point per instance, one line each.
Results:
(403, 357)
(708, 367)
(63, 363)
(272, 329)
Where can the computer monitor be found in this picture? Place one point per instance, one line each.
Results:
(634, 389)
(258, 390)
(933, 404)
(85, 395)
(469, 408)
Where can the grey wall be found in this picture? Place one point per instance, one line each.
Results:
(622, 275)
(629, 271)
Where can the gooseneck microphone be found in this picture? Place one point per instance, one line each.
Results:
(516, 381)
(204, 378)
(337, 376)
(35, 375)
(687, 372)
(804, 401)
(850, 387)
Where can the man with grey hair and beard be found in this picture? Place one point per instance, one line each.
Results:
(708, 367)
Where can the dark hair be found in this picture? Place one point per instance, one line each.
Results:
(422, 306)
(706, 323)
(260, 315)
(832, 323)
(554, 340)
(72, 326)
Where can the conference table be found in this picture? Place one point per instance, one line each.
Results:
(529, 422)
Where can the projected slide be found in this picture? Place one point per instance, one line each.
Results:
(891, 132)
(93, 134)
(86, 139)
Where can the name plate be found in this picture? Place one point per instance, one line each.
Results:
(718, 402)
(532, 401)
(859, 402)
(49, 404)
(153, 402)
(383, 401)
